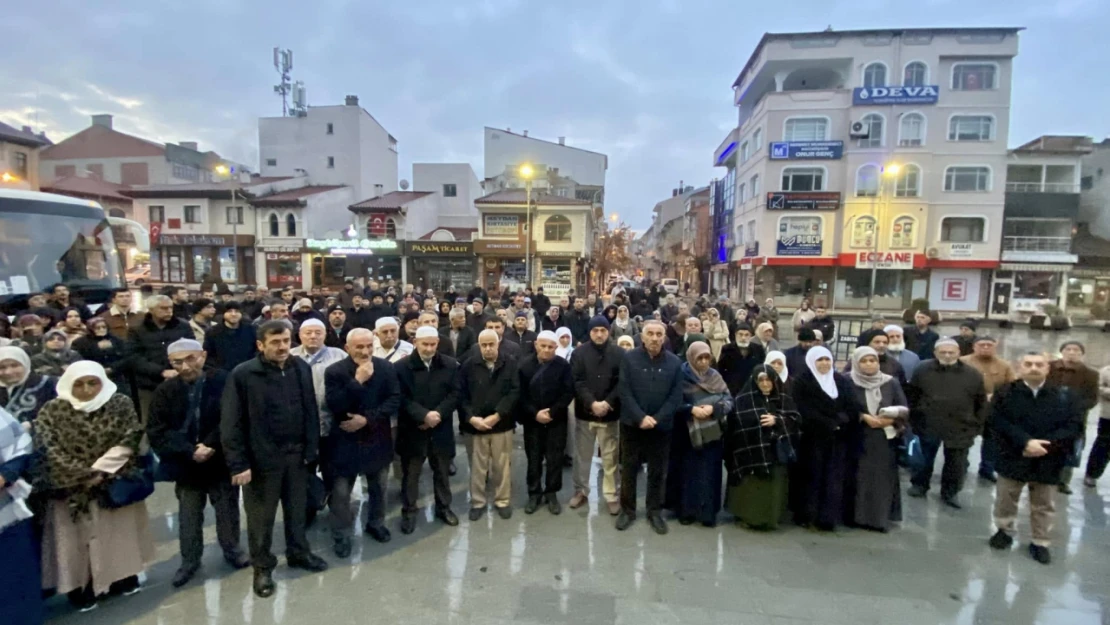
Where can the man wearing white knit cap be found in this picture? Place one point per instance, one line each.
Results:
(389, 345)
(546, 391)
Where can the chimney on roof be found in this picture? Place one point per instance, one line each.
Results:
(562, 140)
(192, 145)
(102, 120)
(674, 192)
(27, 129)
(525, 132)
(352, 100)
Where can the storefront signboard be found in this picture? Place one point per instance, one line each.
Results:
(806, 150)
(497, 225)
(960, 250)
(799, 236)
(439, 248)
(352, 247)
(803, 201)
(884, 260)
(896, 94)
(498, 247)
(210, 240)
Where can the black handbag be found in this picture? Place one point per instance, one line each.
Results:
(126, 490)
(784, 450)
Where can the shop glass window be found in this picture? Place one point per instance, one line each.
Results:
(962, 229)
(228, 266)
(202, 263)
(175, 265)
(1036, 285)
(556, 228)
(803, 179)
(853, 288)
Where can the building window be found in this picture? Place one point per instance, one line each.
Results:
(806, 129)
(974, 76)
(235, 215)
(157, 214)
(290, 225)
(331, 162)
(742, 194)
(874, 138)
(450, 190)
(863, 233)
(192, 214)
(740, 234)
(755, 186)
(867, 181)
(19, 164)
(186, 172)
(331, 129)
(751, 231)
(556, 228)
(903, 233)
(916, 74)
(271, 162)
(390, 229)
(803, 179)
(728, 199)
(972, 178)
(963, 229)
(757, 139)
(971, 128)
(275, 226)
(745, 152)
(911, 130)
(874, 75)
(908, 182)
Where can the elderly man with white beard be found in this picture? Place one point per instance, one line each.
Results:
(896, 347)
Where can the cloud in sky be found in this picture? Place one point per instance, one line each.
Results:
(649, 84)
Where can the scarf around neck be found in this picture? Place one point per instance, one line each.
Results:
(871, 384)
(15, 442)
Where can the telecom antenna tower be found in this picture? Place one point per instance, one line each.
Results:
(283, 63)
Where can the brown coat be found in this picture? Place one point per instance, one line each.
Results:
(996, 371)
(119, 325)
(1081, 379)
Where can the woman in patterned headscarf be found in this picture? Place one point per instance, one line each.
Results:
(22, 391)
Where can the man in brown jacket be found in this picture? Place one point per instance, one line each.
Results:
(1070, 371)
(118, 316)
(996, 373)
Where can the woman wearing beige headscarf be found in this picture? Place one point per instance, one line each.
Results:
(716, 330)
(88, 436)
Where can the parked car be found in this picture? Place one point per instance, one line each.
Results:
(671, 285)
(138, 275)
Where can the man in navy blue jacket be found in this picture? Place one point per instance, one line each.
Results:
(546, 390)
(364, 395)
(651, 393)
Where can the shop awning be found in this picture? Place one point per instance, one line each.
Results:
(1041, 267)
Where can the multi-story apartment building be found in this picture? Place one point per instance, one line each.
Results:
(19, 153)
(560, 169)
(869, 149)
(335, 145)
(1089, 282)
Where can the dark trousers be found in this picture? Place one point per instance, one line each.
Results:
(545, 444)
(343, 518)
(411, 467)
(191, 501)
(1100, 451)
(287, 484)
(637, 447)
(952, 475)
(988, 453)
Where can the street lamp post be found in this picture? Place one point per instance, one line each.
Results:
(526, 172)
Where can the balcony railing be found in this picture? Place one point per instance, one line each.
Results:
(1042, 187)
(1059, 245)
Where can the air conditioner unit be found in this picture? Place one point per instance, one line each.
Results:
(932, 252)
(859, 130)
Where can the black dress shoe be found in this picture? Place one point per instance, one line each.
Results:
(952, 501)
(380, 534)
(989, 476)
(1065, 489)
(1001, 540)
(917, 491)
(532, 505)
(308, 562)
(505, 513)
(342, 547)
(184, 574)
(476, 513)
(1040, 554)
(237, 560)
(408, 524)
(624, 521)
(447, 517)
(553, 505)
(263, 583)
(657, 523)
(686, 520)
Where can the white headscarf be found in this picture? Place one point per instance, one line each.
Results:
(81, 369)
(826, 380)
(777, 355)
(564, 352)
(20, 356)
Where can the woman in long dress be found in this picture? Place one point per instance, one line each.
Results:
(873, 494)
(694, 478)
(826, 401)
(88, 436)
(758, 477)
(716, 330)
(20, 577)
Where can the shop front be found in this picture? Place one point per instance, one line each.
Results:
(1089, 293)
(284, 265)
(502, 264)
(335, 260)
(557, 273)
(195, 258)
(441, 266)
(1029, 287)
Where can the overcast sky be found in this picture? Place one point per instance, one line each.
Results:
(646, 82)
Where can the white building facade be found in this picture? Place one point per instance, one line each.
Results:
(862, 150)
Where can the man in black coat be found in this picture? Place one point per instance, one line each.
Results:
(360, 316)
(364, 397)
(796, 356)
(578, 320)
(488, 393)
(429, 396)
(146, 348)
(595, 367)
(337, 327)
(823, 323)
(231, 342)
(524, 338)
(1036, 426)
(540, 302)
(270, 431)
(510, 349)
(457, 340)
(182, 309)
(477, 316)
(251, 305)
(546, 390)
(184, 430)
(920, 338)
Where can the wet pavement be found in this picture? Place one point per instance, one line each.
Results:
(577, 569)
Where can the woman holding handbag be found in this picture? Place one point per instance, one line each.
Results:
(96, 537)
(759, 447)
(694, 477)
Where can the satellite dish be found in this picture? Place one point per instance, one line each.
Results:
(404, 185)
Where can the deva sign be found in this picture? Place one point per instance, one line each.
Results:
(923, 94)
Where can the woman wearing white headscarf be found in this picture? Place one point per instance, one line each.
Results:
(777, 361)
(873, 494)
(828, 407)
(19, 575)
(88, 436)
(566, 343)
(716, 330)
(23, 392)
(623, 325)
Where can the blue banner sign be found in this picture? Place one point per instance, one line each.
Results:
(923, 94)
(800, 150)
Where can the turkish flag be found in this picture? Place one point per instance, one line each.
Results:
(155, 233)
(376, 225)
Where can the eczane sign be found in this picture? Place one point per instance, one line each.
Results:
(884, 260)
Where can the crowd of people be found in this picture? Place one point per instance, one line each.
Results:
(290, 397)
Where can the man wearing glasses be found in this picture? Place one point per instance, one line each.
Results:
(184, 430)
